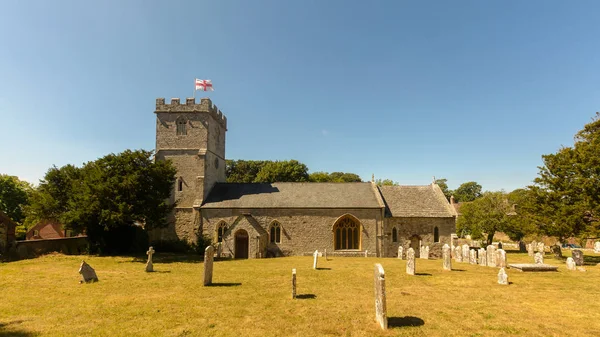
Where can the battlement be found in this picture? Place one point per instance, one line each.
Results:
(206, 105)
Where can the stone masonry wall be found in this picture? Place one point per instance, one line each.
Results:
(422, 227)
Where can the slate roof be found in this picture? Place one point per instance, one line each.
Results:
(416, 201)
(292, 195)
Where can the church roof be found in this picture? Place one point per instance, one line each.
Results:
(416, 201)
(292, 195)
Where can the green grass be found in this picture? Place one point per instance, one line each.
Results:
(252, 298)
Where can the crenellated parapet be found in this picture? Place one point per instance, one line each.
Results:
(190, 105)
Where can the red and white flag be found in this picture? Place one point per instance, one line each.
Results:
(204, 85)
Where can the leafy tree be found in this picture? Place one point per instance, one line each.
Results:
(335, 177)
(243, 171)
(566, 193)
(386, 182)
(442, 183)
(484, 216)
(282, 171)
(107, 197)
(14, 195)
(466, 192)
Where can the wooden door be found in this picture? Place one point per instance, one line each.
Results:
(241, 244)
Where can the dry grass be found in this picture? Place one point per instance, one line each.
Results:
(252, 298)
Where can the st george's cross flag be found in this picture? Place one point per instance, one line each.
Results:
(204, 85)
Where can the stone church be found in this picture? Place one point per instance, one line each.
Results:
(254, 220)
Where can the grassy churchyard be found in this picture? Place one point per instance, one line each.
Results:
(253, 298)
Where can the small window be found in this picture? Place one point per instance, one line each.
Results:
(181, 127)
(394, 235)
(179, 184)
(275, 232)
(221, 231)
(436, 235)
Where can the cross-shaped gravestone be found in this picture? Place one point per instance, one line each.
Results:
(149, 266)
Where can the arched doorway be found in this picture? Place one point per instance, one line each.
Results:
(346, 233)
(241, 244)
(414, 244)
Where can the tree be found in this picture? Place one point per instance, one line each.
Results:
(566, 193)
(520, 221)
(386, 182)
(466, 192)
(106, 198)
(282, 171)
(334, 177)
(243, 171)
(442, 183)
(14, 196)
(484, 216)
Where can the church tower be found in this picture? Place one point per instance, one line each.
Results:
(192, 136)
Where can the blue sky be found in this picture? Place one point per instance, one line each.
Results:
(464, 90)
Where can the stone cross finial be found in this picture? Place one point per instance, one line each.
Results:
(149, 266)
(372, 177)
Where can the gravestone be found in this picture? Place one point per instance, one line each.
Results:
(571, 264)
(533, 248)
(538, 258)
(500, 245)
(380, 300)
(149, 266)
(472, 256)
(88, 273)
(491, 256)
(366, 253)
(597, 247)
(530, 249)
(325, 254)
(421, 252)
(209, 253)
(577, 256)
(219, 250)
(458, 254)
(465, 253)
(527, 267)
(502, 277)
(522, 247)
(447, 263)
(541, 247)
(482, 257)
(426, 251)
(293, 283)
(501, 258)
(555, 249)
(400, 252)
(410, 261)
(315, 258)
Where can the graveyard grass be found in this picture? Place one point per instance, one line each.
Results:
(253, 298)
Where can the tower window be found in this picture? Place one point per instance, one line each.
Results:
(179, 184)
(275, 232)
(221, 231)
(394, 235)
(436, 235)
(181, 127)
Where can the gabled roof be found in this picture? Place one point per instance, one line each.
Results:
(416, 201)
(292, 195)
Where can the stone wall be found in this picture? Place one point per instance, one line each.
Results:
(302, 230)
(32, 248)
(421, 229)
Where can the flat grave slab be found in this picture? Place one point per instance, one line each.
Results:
(533, 267)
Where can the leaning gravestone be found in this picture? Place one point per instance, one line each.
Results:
(293, 283)
(410, 261)
(538, 258)
(458, 254)
(597, 247)
(149, 266)
(571, 264)
(577, 256)
(491, 256)
(465, 253)
(400, 252)
(502, 277)
(87, 273)
(315, 259)
(501, 258)
(472, 256)
(209, 253)
(447, 264)
(380, 300)
(482, 257)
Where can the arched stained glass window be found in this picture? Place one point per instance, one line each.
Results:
(221, 229)
(347, 234)
(275, 232)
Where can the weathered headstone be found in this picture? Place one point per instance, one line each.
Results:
(458, 253)
(538, 258)
(88, 273)
(447, 263)
(209, 253)
(400, 252)
(380, 300)
(465, 253)
(530, 249)
(577, 256)
(522, 247)
(500, 245)
(219, 250)
(597, 247)
(366, 253)
(571, 264)
(426, 253)
(472, 256)
(533, 248)
(482, 257)
(501, 258)
(502, 277)
(541, 247)
(421, 252)
(555, 249)
(315, 259)
(491, 256)
(293, 283)
(149, 266)
(325, 254)
(410, 261)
